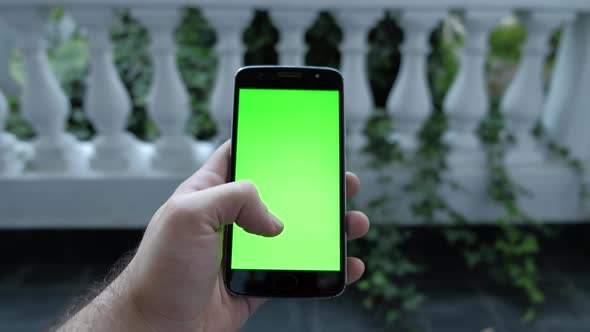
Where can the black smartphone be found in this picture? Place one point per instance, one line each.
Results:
(288, 139)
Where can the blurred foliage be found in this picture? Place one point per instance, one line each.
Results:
(506, 41)
(322, 39)
(384, 58)
(134, 65)
(443, 62)
(388, 285)
(261, 39)
(196, 63)
(389, 288)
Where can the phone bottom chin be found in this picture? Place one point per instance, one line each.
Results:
(291, 284)
(271, 294)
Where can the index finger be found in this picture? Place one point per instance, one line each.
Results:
(213, 173)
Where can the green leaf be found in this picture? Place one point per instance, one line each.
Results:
(536, 296)
(363, 285)
(391, 292)
(460, 235)
(529, 244)
(69, 60)
(378, 279)
(57, 13)
(392, 315)
(472, 258)
(412, 302)
(529, 315)
(368, 303)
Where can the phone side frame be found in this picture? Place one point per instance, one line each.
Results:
(227, 229)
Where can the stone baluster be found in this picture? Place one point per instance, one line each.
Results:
(292, 25)
(42, 100)
(229, 25)
(106, 101)
(8, 41)
(7, 140)
(358, 100)
(467, 101)
(566, 116)
(523, 101)
(168, 99)
(410, 101)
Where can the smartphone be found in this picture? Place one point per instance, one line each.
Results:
(288, 139)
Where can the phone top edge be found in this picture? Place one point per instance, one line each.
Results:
(282, 67)
(288, 77)
(247, 70)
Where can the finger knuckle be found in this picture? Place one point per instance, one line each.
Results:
(177, 209)
(248, 188)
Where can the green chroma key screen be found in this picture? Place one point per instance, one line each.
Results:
(288, 146)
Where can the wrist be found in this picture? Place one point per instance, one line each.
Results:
(144, 307)
(112, 310)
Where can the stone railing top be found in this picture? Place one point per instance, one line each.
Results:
(328, 4)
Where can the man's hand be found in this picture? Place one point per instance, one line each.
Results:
(174, 281)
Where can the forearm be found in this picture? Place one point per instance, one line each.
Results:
(111, 310)
(107, 308)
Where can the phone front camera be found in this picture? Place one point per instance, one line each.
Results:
(317, 75)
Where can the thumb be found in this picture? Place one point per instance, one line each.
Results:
(239, 202)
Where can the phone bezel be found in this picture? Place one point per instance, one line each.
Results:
(266, 283)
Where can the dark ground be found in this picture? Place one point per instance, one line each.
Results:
(42, 272)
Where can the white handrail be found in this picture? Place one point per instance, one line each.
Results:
(550, 5)
(115, 154)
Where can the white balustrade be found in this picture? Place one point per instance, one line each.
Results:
(229, 25)
(106, 101)
(523, 101)
(410, 101)
(358, 101)
(122, 191)
(42, 101)
(168, 100)
(292, 25)
(467, 101)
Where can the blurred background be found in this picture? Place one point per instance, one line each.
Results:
(467, 124)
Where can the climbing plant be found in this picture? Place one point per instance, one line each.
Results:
(510, 255)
